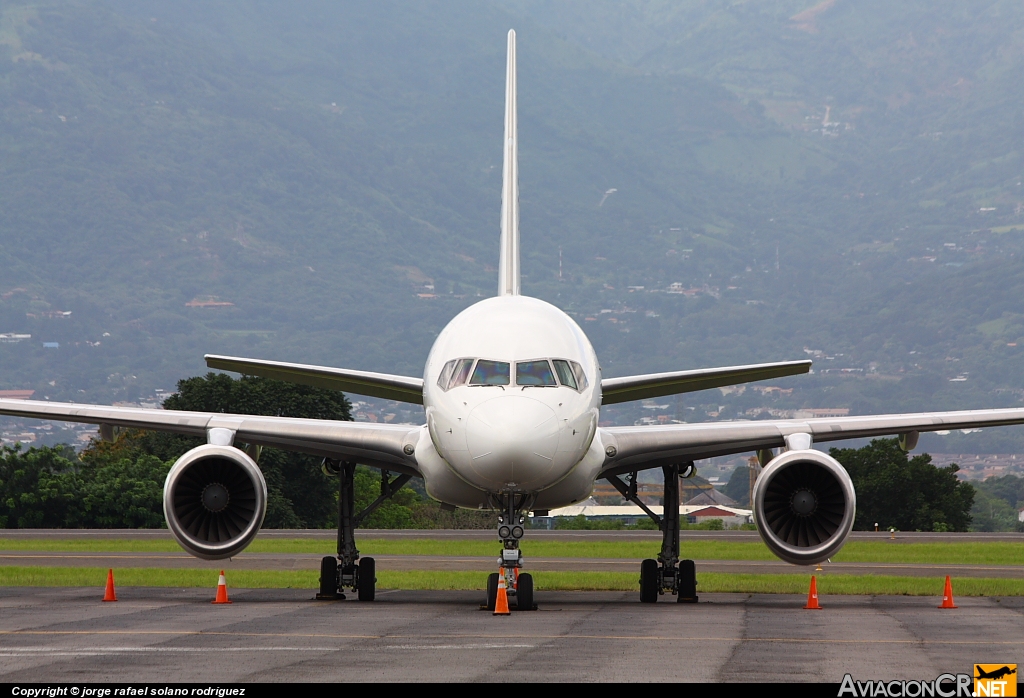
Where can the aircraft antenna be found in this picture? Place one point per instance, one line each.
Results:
(508, 264)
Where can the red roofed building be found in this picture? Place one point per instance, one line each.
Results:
(708, 513)
(16, 394)
(711, 513)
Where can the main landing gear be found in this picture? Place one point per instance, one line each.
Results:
(519, 586)
(667, 573)
(348, 570)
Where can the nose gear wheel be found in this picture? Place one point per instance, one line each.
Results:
(512, 507)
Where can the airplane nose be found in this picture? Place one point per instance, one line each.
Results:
(512, 442)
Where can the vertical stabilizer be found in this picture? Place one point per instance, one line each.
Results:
(508, 266)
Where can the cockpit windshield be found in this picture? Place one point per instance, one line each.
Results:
(536, 373)
(490, 373)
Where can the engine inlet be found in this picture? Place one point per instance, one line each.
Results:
(215, 499)
(804, 504)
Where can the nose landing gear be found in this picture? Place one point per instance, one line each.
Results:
(519, 585)
(667, 574)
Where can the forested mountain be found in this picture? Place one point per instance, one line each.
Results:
(779, 176)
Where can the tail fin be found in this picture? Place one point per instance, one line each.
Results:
(508, 266)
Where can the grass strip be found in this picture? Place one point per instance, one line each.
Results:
(990, 553)
(156, 577)
(708, 582)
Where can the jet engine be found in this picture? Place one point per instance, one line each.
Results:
(804, 504)
(215, 499)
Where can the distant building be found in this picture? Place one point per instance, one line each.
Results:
(771, 390)
(50, 314)
(12, 337)
(16, 394)
(731, 516)
(208, 303)
(51, 345)
(712, 497)
(821, 413)
(630, 513)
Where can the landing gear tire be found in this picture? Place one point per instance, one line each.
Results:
(649, 583)
(524, 592)
(328, 578)
(687, 582)
(367, 578)
(492, 590)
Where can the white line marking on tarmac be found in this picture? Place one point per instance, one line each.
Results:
(458, 647)
(535, 636)
(101, 651)
(97, 651)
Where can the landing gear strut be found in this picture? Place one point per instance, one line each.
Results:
(667, 573)
(348, 570)
(511, 520)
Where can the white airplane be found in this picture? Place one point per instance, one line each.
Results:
(512, 390)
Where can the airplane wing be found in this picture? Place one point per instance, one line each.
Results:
(640, 447)
(380, 445)
(385, 385)
(614, 390)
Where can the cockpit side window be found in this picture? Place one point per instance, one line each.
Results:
(581, 376)
(536, 373)
(446, 374)
(460, 373)
(454, 373)
(565, 374)
(490, 373)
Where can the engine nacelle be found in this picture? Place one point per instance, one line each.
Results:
(215, 499)
(804, 504)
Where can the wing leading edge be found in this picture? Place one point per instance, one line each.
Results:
(615, 390)
(380, 445)
(383, 385)
(637, 448)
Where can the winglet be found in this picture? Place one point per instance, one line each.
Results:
(508, 265)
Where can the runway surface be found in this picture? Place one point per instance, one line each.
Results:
(281, 635)
(489, 534)
(486, 564)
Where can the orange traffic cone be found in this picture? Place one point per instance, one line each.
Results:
(222, 590)
(812, 595)
(110, 595)
(501, 603)
(947, 595)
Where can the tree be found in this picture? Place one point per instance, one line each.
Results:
(1009, 488)
(119, 489)
(394, 513)
(113, 486)
(894, 489)
(299, 494)
(739, 486)
(996, 504)
(34, 490)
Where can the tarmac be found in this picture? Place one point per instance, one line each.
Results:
(173, 635)
(170, 635)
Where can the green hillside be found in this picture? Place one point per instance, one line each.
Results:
(841, 177)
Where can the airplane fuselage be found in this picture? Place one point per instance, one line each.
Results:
(511, 390)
